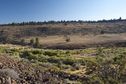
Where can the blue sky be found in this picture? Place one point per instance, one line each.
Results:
(41, 10)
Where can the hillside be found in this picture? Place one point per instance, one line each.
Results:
(24, 65)
(94, 53)
(54, 35)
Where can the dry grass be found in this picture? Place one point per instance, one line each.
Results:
(81, 34)
(80, 39)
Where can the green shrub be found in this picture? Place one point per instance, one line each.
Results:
(36, 52)
(28, 55)
(2, 50)
(36, 44)
(69, 61)
(32, 41)
(50, 53)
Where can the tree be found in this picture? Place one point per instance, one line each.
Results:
(37, 44)
(67, 39)
(32, 41)
(22, 41)
(120, 18)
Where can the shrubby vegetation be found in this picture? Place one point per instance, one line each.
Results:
(87, 66)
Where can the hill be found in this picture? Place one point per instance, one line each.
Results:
(54, 34)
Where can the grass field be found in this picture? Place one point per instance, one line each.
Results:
(79, 41)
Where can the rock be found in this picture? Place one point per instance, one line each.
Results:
(1, 65)
(9, 72)
(8, 80)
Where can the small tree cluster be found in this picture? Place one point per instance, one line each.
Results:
(35, 42)
(32, 41)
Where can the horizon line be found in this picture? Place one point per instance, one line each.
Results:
(62, 21)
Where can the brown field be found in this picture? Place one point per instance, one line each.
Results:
(81, 34)
(80, 41)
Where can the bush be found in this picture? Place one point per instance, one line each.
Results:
(32, 42)
(36, 52)
(67, 39)
(50, 53)
(69, 61)
(37, 44)
(28, 55)
(22, 41)
(54, 60)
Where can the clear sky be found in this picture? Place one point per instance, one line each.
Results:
(41, 10)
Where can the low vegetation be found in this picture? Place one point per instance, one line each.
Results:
(94, 52)
(86, 66)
